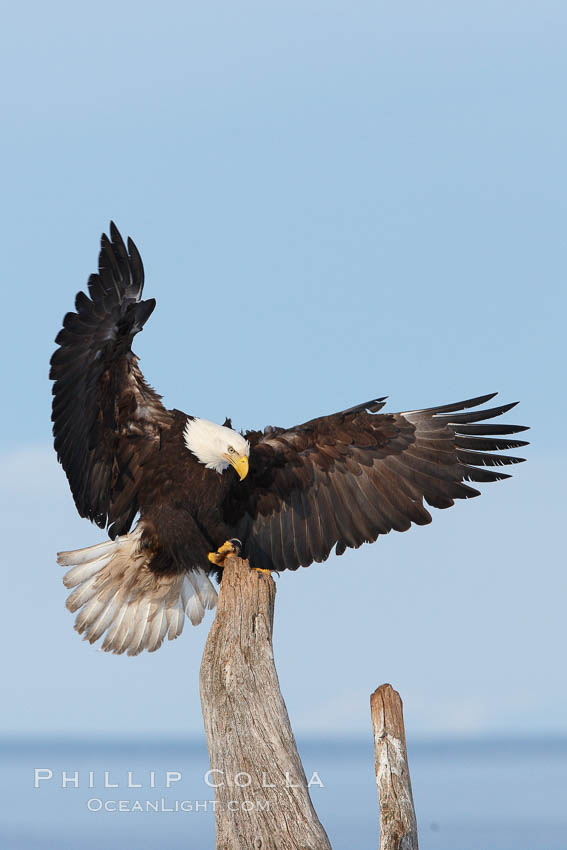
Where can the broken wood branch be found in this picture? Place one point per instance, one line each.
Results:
(262, 798)
(398, 824)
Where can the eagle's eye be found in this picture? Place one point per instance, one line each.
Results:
(231, 450)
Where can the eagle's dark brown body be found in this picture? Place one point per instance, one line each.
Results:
(331, 483)
(182, 504)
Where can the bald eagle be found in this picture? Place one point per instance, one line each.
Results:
(283, 498)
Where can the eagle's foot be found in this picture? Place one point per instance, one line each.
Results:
(259, 570)
(229, 547)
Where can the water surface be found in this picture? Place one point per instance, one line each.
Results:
(469, 795)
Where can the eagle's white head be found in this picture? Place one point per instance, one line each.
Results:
(217, 446)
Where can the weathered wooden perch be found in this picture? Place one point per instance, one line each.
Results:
(398, 825)
(261, 793)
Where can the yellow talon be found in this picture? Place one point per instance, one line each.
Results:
(259, 570)
(228, 548)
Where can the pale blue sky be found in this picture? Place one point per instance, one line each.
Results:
(377, 194)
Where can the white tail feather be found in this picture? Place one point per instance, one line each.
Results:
(176, 619)
(82, 594)
(101, 624)
(115, 592)
(86, 555)
(204, 587)
(157, 630)
(195, 610)
(82, 572)
(141, 624)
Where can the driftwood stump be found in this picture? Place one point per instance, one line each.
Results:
(262, 798)
(398, 825)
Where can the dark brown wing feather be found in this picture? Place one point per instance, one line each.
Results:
(106, 419)
(344, 479)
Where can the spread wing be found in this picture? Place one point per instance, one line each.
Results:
(344, 479)
(106, 419)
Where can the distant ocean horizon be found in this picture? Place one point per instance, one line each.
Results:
(470, 794)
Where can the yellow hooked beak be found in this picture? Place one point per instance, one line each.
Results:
(240, 464)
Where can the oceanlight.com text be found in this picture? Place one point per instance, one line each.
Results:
(95, 804)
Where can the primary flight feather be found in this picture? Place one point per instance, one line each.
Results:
(283, 497)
